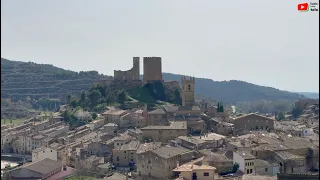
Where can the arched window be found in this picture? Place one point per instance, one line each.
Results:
(189, 87)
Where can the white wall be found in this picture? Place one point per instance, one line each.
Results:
(238, 159)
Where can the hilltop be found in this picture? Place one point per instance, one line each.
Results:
(27, 79)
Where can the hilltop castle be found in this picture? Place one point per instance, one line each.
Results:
(152, 70)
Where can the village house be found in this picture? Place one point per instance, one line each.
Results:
(191, 171)
(96, 124)
(252, 122)
(156, 117)
(54, 151)
(224, 128)
(266, 167)
(90, 163)
(125, 156)
(38, 170)
(207, 141)
(222, 161)
(137, 133)
(110, 129)
(160, 162)
(245, 160)
(164, 133)
(113, 115)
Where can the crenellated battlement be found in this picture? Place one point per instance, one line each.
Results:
(151, 58)
(188, 80)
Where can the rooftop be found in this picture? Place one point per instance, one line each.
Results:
(44, 166)
(254, 115)
(173, 125)
(157, 111)
(170, 108)
(191, 139)
(38, 137)
(210, 137)
(111, 124)
(189, 108)
(148, 147)
(191, 167)
(93, 158)
(285, 155)
(131, 146)
(218, 157)
(245, 154)
(167, 152)
(264, 163)
(114, 112)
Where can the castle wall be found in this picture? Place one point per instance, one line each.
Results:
(132, 74)
(152, 69)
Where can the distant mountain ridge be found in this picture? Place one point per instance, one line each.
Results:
(312, 95)
(21, 79)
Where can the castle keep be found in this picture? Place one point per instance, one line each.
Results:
(132, 74)
(152, 70)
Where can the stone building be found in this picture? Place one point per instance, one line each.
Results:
(165, 133)
(152, 69)
(132, 74)
(125, 155)
(252, 122)
(160, 162)
(187, 91)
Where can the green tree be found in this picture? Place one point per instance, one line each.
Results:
(94, 115)
(69, 98)
(280, 116)
(94, 97)
(235, 167)
(122, 96)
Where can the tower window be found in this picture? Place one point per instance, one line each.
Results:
(189, 87)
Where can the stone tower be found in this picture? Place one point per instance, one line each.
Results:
(136, 67)
(187, 91)
(152, 69)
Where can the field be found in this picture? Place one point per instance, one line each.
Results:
(11, 121)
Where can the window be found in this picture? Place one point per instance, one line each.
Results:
(247, 171)
(257, 127)
(205, 174)
(250, 171)
(252, 164)
(189, 87)
(266, 127)
(50, 150)
(265, 169)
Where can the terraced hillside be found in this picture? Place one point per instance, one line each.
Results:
(20, 80)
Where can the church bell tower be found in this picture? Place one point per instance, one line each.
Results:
(187, 91)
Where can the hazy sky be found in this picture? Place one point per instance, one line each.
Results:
(263, 42)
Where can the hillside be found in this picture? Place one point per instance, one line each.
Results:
(312, 95)
(22, 79)
(236, 91)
